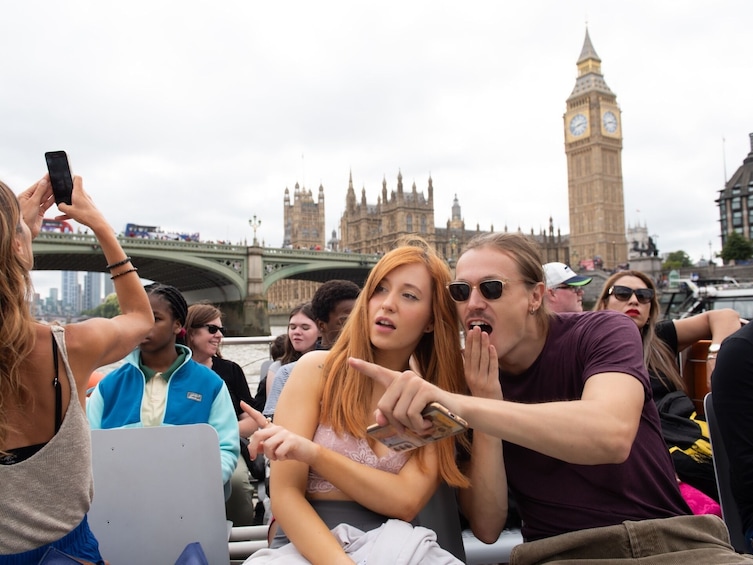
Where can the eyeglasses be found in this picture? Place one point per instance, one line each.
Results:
(575, 289)
(491, 290)
(212, 328)
(623, 293)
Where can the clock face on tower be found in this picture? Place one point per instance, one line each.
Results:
(578, 125)
(610, 121)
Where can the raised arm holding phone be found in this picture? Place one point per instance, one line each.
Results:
(46, 482)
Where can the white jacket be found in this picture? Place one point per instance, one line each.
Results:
(394, 543)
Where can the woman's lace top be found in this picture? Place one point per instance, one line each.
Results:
(357, 449)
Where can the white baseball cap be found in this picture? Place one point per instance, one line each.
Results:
(558, 274)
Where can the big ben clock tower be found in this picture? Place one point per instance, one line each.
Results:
(593, 146)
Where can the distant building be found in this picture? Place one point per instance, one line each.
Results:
(92, 296)
(736, 200)
(71, 292)
(304, 229)
(593, 146)
(109, 287)
(376, 228)
(304, 219)
(640, 244)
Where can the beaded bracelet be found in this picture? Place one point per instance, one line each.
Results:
(118, 264)
(132, 270)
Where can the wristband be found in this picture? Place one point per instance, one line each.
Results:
(132, 270)
(118, 264)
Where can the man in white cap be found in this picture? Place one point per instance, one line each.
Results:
(564, 288)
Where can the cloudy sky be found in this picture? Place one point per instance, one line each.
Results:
(196, 115)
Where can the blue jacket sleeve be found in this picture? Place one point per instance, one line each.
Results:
(222, 418)
(94, 406)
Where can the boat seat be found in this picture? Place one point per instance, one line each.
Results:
(440, 514)
(155, 491)
(730, 513)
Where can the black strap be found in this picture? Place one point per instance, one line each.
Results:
(56, 385)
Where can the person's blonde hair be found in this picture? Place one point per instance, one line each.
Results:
(17, 335)
(657, 355)
(347, 394)
(525, 253)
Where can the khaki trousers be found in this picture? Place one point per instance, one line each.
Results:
(682, 540)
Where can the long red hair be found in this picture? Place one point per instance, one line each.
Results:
(347, 394)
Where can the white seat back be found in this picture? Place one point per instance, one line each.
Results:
(155, 491)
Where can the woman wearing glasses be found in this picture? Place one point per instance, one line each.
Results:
(204, 333)
(633, 293)
(159, 384)
(569, 396)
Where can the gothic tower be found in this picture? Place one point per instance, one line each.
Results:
(593, 146)
(376, 228)
(304, 219)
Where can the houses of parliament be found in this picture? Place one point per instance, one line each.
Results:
(593, 146)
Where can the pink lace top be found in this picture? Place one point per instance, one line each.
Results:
(355, 449)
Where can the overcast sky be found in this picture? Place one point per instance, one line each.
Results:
(197, 115)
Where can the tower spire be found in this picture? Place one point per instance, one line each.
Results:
(589, 71)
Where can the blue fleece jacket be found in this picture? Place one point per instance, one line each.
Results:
(195, 395)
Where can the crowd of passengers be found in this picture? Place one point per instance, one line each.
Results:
(578, 420)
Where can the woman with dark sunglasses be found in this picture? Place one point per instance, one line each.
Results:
(204, 333)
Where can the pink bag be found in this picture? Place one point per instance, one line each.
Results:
(699, 502)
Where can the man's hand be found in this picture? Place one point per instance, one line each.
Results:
(405, 397)
(481, 365)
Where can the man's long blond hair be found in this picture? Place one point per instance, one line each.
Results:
(347, 393)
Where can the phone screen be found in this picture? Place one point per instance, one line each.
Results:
(60, 176)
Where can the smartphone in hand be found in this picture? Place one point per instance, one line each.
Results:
(445, 424)
(60, 176)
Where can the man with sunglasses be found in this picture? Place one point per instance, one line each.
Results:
(569, 396)
(564, 288)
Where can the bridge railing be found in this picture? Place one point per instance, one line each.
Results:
(335, 255)
(142, 242)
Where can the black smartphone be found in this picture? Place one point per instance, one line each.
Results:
(445, 424)
(60, 176)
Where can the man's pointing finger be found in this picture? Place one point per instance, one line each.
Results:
(383, 376)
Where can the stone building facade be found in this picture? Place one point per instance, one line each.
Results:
(376, 228)
(304, 219)
(304, 229)
(736, 200)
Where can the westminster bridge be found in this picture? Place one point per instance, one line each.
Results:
(234, 277)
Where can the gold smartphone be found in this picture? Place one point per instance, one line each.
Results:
(445, 424)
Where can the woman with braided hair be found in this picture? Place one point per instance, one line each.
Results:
(46, 483)
(138, 393)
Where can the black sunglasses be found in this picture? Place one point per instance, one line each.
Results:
(211, 328)
(623, 293)
(461, 291)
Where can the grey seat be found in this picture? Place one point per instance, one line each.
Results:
(155, 491)
(441, 515)
(727, 501)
